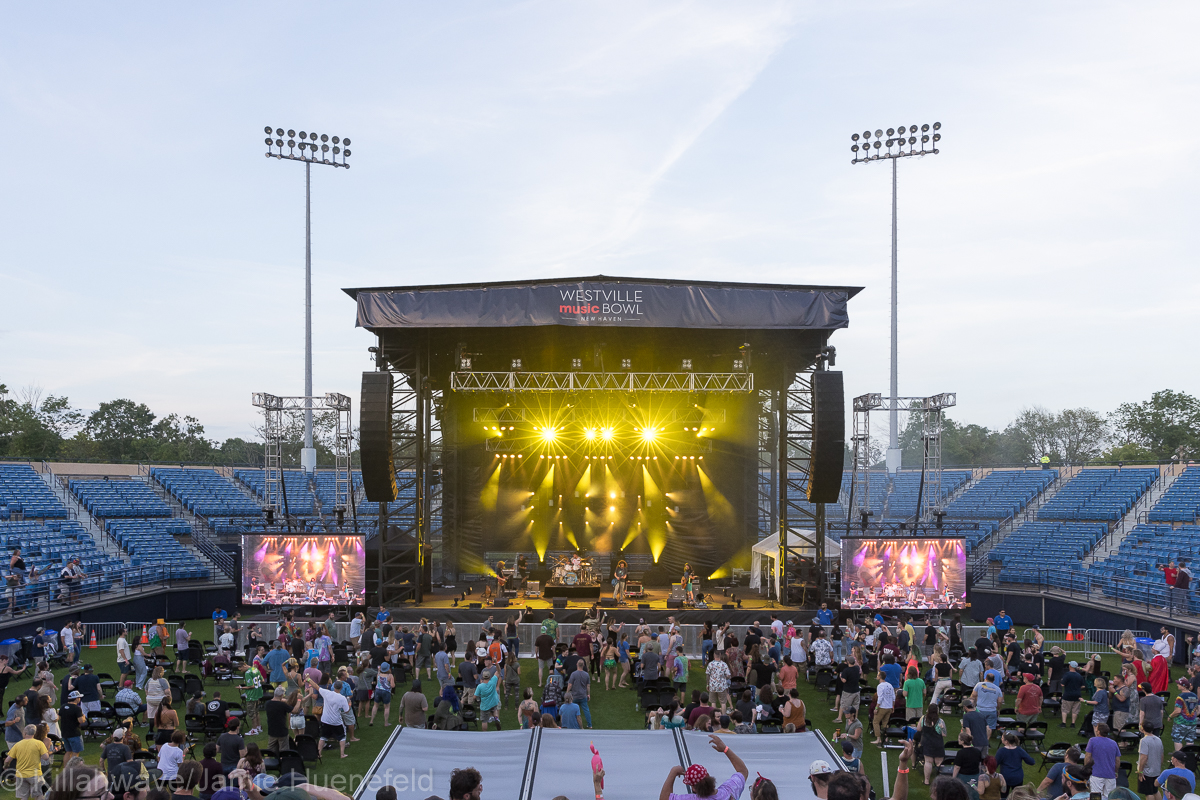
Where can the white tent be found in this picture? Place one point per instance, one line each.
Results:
(769, 548)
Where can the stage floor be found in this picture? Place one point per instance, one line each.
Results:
(655, 598)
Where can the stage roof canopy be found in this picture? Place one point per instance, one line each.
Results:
(603, 301)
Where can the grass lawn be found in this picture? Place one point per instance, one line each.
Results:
(614, 709)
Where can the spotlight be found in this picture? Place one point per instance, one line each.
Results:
(576, 363)
(464, 363)
(626, 363)
(687, 365)
(549, 434)
(516, 364)
(649, 434)
(606, 434)
(589, 434)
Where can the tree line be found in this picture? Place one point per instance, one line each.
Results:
(1162, 428)
(49, 428)
(37, 427)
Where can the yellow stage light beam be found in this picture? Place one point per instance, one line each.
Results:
(549, 434)
(631, 535)
(719, 507)
(491, 488)
(607, 434)
(649, 434)
(589, 434)
(657, 538)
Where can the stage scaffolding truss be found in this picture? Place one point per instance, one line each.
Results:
(602, 381)
(931, 408)
(275, 409)
(410, 529)
(799, 520)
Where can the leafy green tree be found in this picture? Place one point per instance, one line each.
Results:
(1161, 425)
(121, 428)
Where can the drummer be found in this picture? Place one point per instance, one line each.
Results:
(576, 562)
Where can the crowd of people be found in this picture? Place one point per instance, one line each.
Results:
(889, 682)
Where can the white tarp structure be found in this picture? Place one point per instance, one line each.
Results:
(769, 548)
(544, 764)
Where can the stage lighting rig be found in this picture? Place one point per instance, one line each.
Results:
(900, 143)
(310, 152)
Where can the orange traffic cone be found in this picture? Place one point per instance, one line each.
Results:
(145, 638)
(1070, 634)
(92, 641)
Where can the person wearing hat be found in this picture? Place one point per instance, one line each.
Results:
(1072, 692)
(1057, 665)
(703, 785)
(116, 752)
(819, 773)
(70, 721)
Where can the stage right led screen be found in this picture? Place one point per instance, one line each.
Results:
(912, 573)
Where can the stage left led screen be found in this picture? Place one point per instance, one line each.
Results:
(303, 570)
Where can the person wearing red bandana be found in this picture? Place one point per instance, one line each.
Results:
(703, 786)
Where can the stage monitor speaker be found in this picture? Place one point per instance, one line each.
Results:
(828, 452)
(375, 437)
(727, 606)
(643, 606)
(560, 602)
(475, 605)
(501, 602)
(608, 602)
(674, 604)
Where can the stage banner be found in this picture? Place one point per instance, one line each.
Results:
(606, 303)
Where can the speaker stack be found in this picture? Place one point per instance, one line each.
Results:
(375, 437)
(827, 457)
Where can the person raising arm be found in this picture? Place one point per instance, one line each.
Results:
(703, 785)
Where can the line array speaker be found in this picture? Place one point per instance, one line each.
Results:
(828, 438)
(375, 437)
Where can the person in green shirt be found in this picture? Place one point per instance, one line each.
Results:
(914, 696)
(252, 683)
(550, 626)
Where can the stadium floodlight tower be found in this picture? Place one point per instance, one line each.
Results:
(312, 149)
(900, 143)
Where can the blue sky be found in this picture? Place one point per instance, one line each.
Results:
(149, 250)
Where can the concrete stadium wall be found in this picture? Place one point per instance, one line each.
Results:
(169, 604)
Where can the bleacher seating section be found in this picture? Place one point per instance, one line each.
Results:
(204, 492)
(1098, 494)
(1037, 545)
(902, 502)
(46, 548)
(22, 491)
(153, 543)
(1000, 494)
(1131, 572)
(300, 499)
(110, 499)
(1181, 502)
(997, 496)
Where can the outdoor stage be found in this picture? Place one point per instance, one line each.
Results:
(671, 424)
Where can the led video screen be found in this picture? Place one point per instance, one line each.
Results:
(904, 573)
(303, 570)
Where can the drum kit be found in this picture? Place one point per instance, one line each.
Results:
(573, 571)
